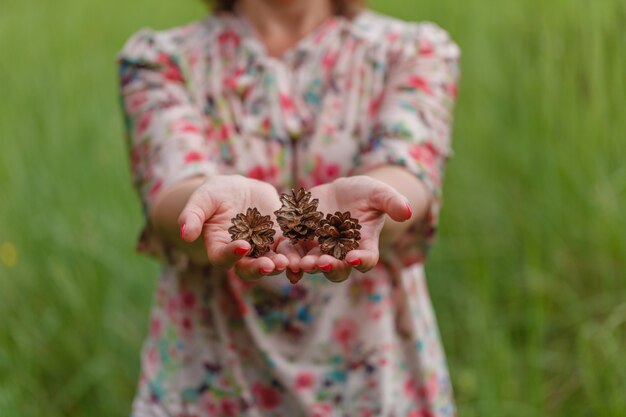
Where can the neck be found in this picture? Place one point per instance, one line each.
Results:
(281, 23)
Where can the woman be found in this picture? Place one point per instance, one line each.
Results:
(227, 113)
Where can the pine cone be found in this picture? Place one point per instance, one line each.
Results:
(255, 229)
(298, 218)
(338, 234)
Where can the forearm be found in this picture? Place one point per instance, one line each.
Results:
(413, 189)
(164, 213)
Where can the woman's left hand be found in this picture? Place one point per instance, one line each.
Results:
(368, 200)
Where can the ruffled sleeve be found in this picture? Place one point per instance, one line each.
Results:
(165, 127)
(413, 122)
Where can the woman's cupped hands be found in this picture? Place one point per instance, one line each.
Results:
(219, 199)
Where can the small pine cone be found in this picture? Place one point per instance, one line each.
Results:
(298, 218)
(338, 234)
(255, 229)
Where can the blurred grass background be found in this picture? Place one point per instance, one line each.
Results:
(529, 273)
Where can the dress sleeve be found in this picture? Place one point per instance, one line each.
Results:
(165, 128)
(413, 121)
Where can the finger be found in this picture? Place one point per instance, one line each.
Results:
(280, 262)
(293, 254)
(254, 268)
(308, 263)
(225, 255)
(334, 269)
(388, 200)
(197, 211)
(362, 259)
(294, 277)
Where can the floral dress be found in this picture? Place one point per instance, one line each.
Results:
(206, 99)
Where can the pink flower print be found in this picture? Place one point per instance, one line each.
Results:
(186, 325)
(329, 60)
(225, 132)
(143, 123)
(324, 173)
(410, 387)
(135, 101)
(392, 37)
(321, 410)
(193, 156)
(420, 83)
(368, 285)
(304, 380)
(426, 47)
(173, 73)
(151, 362)
(138, 155)
(210, 407)
(155, 188)
(184, 126)
(228, 37)
(188, 300)
(452, 89)
(375, 104)
(172, 306)
(265, 396)
(424, 153)
(345, 332)
(263, 173)
(228, 407)
(170, 70)
(422, 412)
(286, 103)
(155, 327)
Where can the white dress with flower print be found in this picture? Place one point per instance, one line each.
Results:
(207, 99)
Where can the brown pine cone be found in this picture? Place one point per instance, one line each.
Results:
(298, 218)
(338, 234)
(255, 229)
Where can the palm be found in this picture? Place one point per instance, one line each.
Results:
(367, 200)
(353, 195)
(210, 211)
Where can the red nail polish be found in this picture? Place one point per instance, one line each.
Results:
(354, 262)
(408, 209)
(182, 230)
(326, 268)
(241, 251)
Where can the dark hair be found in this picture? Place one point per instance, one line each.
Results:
(347, 8)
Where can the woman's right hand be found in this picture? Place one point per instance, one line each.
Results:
(209, 212)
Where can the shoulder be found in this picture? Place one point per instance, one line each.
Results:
(149, 44)
(393, 35)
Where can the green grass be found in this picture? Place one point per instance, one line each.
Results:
(529, 273)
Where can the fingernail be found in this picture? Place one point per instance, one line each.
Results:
(326, 268)
(182, 230)
(265, 271)
(295, 271)
(354, 262)
(281, 269)
(241, 251)
(408, 209)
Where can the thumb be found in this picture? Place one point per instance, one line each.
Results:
(388, 200)
(200, 208)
